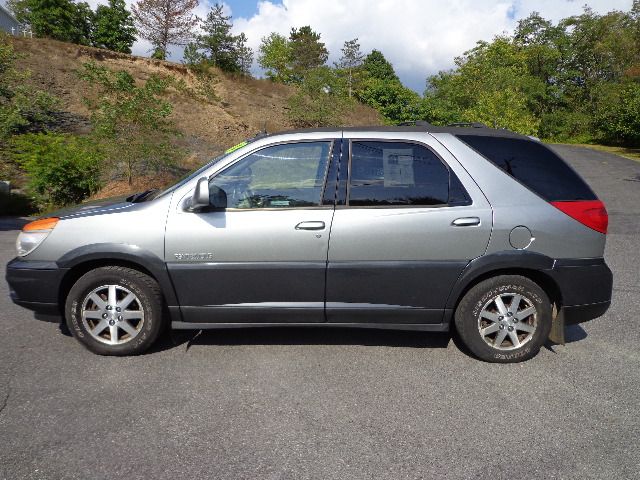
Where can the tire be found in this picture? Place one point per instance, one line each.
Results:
(115, 311)
(496, 330)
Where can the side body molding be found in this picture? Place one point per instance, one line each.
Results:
(504, 260)
(125, 252)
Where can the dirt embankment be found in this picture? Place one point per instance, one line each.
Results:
(211, 117)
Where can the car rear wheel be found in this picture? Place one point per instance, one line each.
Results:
(115, 311)
(504, 319)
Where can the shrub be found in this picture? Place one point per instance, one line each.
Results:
(618, 118)
(62, 169)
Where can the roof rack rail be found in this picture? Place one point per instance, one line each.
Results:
(468, 124)
(415, 123)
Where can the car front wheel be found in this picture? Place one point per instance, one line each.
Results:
(115, 310)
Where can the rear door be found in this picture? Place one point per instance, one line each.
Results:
(263, 258)
(408, 220)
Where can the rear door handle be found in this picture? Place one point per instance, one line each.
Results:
(310, 226)
(466, 222)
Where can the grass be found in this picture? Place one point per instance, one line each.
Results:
(626, 152)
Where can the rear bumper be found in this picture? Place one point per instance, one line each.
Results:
(582, 313)
(585, 286)
(35, 285)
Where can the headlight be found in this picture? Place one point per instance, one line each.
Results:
(33, 234)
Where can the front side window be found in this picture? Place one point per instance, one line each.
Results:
(281, 176)
(396, 173)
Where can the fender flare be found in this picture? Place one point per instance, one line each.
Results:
(504, 260)
(127, 253)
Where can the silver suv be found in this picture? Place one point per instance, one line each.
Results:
(414, 228)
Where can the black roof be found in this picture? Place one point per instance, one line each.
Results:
(455, 129)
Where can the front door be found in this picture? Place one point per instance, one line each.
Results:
(406, 230)
(263, 258)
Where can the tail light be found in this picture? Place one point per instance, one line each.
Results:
(591, 213)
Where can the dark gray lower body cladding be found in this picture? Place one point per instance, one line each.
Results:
(420, 327)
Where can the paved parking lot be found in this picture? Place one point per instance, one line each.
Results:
(333, 404)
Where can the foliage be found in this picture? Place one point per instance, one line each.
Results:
(319, 101)
(307, 52)
(62, 169)
(393, 100)
(113, 27)
(618, 119)
(377, 66)
(349, 65)
(165, 22)
(63, 20)
(575, 80)
(275, 57)
(217, 46)
(131, 122)
(381, 89)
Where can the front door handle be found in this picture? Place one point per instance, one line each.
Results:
(310, 226)
(466, 222)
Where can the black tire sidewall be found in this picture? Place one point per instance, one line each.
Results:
(138, 283)
(466, 317)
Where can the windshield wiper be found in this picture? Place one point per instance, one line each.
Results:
(140, 197)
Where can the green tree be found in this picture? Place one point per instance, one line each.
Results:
(394, 101)
(217, 40)
(244, 54)
(130, 121)
(220, 47)
(307, 52)
(113, 27)
(275, 57)
(58, 19)
(491, 84)
(377, 66)
(381, 89)
(350, 63)
(618, 118)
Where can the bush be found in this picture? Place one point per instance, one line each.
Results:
(131, 121)
(319, 101)
(62, 169)
(618, 118)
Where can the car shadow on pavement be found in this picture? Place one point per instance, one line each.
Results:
(54, 319)
(302, 336)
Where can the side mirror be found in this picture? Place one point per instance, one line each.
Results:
(200, 196)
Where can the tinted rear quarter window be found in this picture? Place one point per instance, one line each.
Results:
(533, 165)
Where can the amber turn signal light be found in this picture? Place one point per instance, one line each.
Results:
(42, 224)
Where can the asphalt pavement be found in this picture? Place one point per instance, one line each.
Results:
(333, 404)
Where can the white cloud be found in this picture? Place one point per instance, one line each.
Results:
(419, 37)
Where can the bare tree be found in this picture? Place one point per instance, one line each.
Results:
(165, 22)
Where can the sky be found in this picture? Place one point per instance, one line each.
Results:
(419, 37)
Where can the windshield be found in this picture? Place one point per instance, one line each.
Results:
(153, 195)
(187, 178)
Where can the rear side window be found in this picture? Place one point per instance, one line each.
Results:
(533, 165)
(398, 173)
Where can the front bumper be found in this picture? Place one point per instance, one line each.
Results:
(35, 285)
(585, 287)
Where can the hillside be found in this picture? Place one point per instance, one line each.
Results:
(230, 110)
